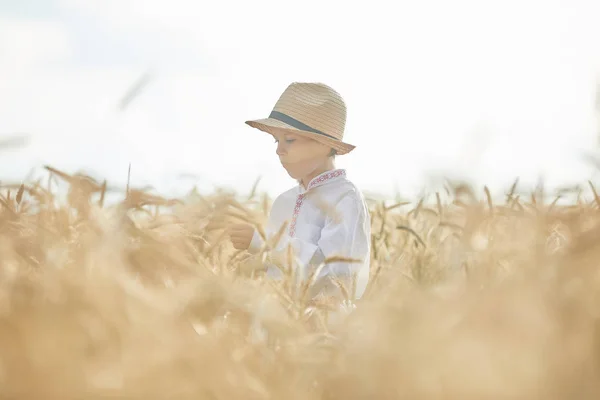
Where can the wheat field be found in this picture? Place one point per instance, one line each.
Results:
(144, 298)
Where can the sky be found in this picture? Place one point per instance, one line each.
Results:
(484, 91)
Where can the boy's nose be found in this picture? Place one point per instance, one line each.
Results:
(281, 148)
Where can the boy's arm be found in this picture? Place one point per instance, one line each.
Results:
(256, 243)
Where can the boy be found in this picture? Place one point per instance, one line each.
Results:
(326, 214)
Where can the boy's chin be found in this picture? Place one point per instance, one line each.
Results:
(293, 175)
(291, 171)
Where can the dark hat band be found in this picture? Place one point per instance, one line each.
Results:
(279, 116)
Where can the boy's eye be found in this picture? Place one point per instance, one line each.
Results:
(286, 140)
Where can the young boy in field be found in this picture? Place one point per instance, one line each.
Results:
(325, 213)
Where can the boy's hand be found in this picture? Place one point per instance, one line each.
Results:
(241, 235)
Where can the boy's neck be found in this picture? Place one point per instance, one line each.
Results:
(328, 166)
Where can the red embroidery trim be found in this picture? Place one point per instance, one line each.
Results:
(320, 180)
(299, 201)
(325, 177)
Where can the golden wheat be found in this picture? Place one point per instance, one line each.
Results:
(146, 298)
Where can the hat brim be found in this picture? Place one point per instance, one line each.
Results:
(271, 126)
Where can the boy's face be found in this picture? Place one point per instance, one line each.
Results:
(300, 156)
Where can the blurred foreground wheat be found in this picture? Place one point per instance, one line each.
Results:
(146, 299)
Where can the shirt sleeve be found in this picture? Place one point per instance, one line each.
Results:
(257, 242)
(346, 234)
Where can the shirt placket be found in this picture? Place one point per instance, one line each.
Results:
(300, 199)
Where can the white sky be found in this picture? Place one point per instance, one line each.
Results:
(485, 90)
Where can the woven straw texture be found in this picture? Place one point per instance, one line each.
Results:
(313, 104)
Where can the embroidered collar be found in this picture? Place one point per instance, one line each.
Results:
(320, 180)
(324, 178)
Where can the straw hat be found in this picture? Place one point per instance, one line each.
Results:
(313, 110)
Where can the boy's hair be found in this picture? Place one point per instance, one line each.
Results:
(332, 153)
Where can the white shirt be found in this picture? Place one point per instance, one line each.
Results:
(328, 219)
